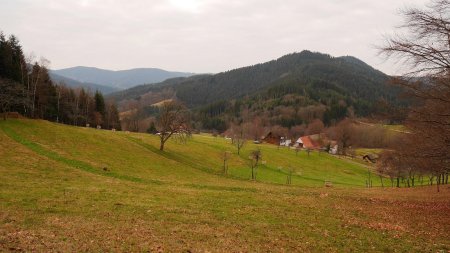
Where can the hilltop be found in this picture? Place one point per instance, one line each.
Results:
(346, 76)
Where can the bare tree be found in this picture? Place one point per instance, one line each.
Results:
(289, 176)
(226, 156)
(238, 137)
(255, 159)
(342, 133)
(173, 119)
(424, 43)
(315, 127)
(424, 47)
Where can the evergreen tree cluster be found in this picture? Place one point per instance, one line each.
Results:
(26, 88)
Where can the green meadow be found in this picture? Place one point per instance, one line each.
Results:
(65, 188)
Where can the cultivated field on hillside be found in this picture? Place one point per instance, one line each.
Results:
(68, 188)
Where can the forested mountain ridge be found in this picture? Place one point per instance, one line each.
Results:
(121, 79)
(348, 74)
(292, 90)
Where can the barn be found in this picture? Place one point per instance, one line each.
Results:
(272, 138)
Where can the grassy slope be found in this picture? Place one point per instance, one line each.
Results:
(55, 195)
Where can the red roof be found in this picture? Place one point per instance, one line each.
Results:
(309, 143)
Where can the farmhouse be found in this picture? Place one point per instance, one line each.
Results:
(310, 141)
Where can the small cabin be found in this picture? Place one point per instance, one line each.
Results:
(272, 138)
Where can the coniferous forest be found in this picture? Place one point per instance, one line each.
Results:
(26, 88)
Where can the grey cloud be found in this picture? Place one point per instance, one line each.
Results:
(206, 36)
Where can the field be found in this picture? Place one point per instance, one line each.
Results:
(68, 188)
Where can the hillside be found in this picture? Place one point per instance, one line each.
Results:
(346, 76)
(121, 79)
(82, 189)
(292, 91)
(76, 84)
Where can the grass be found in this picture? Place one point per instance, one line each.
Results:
(398, 128)
(55, 195)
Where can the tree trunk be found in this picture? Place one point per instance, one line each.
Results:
(161, 146)
(438, 181)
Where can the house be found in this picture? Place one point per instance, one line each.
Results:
(285, 142)
(310, 141)
(276, 139)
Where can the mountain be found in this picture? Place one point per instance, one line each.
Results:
(345, 74)
(292, 90)
(121, 79)
(76, 84)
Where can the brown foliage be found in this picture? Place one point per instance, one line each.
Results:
(425, 49)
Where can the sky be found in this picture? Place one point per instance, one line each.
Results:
(201, 36)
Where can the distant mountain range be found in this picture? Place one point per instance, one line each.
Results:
(77, 84)
(108, 81)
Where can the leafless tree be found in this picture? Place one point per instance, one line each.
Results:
(289, 176)
(238, 136)
(424, 47)
(342, 133)
(226, 156)
(173, 119)
(315, 127)
(255, 159)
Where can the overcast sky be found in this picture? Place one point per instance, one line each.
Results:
(198, 35)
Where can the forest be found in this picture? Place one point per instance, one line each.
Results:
(290, 92)
(26, 88)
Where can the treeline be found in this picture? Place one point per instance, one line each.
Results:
(26, 88)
